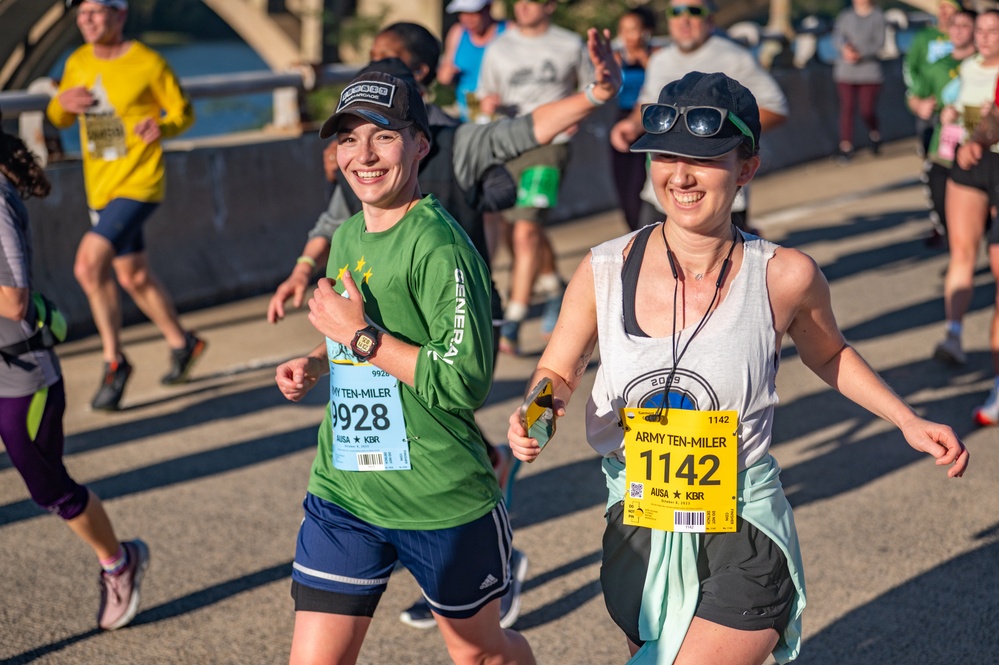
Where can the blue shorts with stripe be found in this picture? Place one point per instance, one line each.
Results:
(120, 223)
(460, 569)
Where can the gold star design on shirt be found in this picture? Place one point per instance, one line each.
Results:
(339, 275)
(360, 264)
(367, 276)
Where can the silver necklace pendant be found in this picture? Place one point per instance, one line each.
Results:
(699, 276)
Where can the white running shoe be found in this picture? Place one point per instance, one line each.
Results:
(988, 413)
(949, 351)
(510, 602)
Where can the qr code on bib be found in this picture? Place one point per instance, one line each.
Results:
(637, 491)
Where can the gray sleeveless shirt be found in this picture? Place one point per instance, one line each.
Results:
(730, 365)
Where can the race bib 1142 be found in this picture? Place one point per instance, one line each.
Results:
(681, 469)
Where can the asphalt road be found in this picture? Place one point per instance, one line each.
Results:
(901, 563)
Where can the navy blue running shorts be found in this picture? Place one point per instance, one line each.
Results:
(342, 563)
(745, 582)
(120, 222)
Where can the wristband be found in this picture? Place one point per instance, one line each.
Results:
(306, 259)
(588, 91)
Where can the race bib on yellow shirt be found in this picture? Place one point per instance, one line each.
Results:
(681, 469)
(105, 136)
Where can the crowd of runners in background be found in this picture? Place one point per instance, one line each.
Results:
(686, 133)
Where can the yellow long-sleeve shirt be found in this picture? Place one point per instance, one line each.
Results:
(132, 87)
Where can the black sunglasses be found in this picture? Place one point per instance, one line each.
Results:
(702, 121)
(695, 11)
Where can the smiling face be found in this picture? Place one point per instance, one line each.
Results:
(689, 32)
(100, 25)
(380, 165)
(697, 194)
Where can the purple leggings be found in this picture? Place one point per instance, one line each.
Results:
(39, 460)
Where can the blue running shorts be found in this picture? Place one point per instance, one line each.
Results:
(342, 563)
(120, 222)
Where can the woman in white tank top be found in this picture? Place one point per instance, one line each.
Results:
(690, 318)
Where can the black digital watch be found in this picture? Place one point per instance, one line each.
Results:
(366, 341)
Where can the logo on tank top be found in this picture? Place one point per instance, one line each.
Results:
(690, 391)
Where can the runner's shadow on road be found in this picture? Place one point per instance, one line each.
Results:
(848, 458)
(881, 259)
(557, 492)
(947, 615)
(854, 226)
(566, 604)
(42, 651)
(916, 315)
(230, 405)
(214, 594)
(192, 602)
(559, 608)
(181, 470)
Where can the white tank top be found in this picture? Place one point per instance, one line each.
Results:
(730, 365)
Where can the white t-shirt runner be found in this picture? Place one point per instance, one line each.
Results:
(528, 72)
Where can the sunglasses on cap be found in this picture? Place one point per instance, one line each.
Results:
(702, 121)
(694, 11)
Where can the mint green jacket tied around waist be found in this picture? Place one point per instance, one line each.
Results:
(672, 586)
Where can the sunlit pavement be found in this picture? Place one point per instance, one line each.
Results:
(900, 562)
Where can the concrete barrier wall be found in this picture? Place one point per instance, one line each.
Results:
(236, 216)
(231, 226)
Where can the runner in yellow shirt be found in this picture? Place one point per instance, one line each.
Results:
(127, 100)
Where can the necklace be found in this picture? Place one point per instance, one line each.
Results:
(678, 353)
(697, 276)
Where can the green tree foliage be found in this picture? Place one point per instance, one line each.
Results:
(578, 15)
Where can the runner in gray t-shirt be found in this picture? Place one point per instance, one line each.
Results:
(532, 63)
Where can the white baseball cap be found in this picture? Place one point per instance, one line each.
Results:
(456, 6)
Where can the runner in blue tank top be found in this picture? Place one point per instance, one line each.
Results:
(464, 45)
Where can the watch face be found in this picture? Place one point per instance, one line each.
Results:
(364, 344)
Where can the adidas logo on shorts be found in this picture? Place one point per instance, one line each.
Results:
(488, 582)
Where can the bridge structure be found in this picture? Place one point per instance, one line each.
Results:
(286, 33)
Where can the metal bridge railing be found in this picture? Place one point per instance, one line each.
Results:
(29, 105)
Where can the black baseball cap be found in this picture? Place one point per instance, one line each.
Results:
(700, 89)
(389, 100)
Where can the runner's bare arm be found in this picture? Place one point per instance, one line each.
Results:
(297, 376)
(13, 302)
(567, 355)
(803, 308)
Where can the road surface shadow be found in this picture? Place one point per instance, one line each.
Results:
(947, 615)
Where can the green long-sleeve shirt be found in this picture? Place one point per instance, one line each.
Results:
(423, 282)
